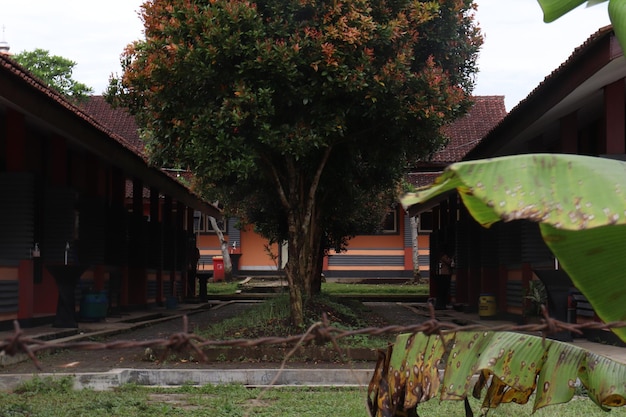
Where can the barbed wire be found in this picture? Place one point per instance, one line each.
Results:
(319, 333)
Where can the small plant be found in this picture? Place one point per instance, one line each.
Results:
(47, 385)
(536, 297)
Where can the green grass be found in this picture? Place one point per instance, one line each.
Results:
(271, 318)
(47, 398)
(222, 288)
(334, 288)
(262, 317)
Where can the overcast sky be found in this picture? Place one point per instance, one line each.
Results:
(519, 50)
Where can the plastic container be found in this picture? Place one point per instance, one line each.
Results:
(94, 306)
(218, 268)
(487, 306)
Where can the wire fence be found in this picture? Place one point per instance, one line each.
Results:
(319, 333)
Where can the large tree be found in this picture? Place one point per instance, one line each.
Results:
(304, 114)
(55, 71)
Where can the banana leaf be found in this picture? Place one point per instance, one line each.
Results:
(579, 201)
(510, 368)
(554, 9)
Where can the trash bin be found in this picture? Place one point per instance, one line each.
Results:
(218, 268)
(171, 302)
(487, 306)
(94, 305)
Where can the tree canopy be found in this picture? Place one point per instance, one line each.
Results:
(55, 71)
(302, 114)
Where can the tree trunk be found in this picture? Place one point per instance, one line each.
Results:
(316, 286)
(299, 200)
(228, 265)
(415, 245)
(302, 265)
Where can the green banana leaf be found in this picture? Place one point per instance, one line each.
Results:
(579, 201)
(617, 14)
(510, 366)
(554, 9)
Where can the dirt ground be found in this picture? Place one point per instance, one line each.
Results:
(77, 361)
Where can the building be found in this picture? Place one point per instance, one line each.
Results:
(385, 256)
(66, 222)
(579, 108)
(389, 255)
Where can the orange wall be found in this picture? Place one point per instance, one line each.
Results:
(376, 241)
(253, 251)
(254, 256)
(252, 248)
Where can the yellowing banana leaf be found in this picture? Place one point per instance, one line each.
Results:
(604, 379)
(378, 388)
(422, 370)
(579, 201)
(407, 376)
(511, 366)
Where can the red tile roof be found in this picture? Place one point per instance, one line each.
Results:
(118, 120)
(8, 64)
(422, 179)
(469, 130)
(123, 123)
(463, 135)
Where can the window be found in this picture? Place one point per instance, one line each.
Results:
(198, 222)
(390, 222)
(202, 224)
(426, 222)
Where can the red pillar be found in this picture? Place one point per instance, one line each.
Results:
(26, 290)
(15, 141)
(614, 113)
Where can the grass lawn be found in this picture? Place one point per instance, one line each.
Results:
(271, 318)
(44, 398)
(334, 288)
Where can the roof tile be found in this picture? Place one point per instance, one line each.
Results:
(469, 130)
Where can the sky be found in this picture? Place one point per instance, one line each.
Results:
(519, 51)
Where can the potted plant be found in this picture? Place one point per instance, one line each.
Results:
(535, 297)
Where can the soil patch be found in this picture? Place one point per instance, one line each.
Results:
(375, 315)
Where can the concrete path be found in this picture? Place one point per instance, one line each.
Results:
(100, 381)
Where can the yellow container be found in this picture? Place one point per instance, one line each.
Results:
(487, 306)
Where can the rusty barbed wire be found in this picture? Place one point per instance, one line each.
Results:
(319, 333)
